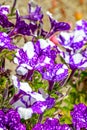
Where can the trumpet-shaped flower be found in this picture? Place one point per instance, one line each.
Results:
(5, 42)
(10, 120)
(28, 102)
(79, 116)
(76, 39)
(34, 13)
(51, 124)
(74, 43)
(4, 22)
(4, 9)
(55, 26)
(40, 56)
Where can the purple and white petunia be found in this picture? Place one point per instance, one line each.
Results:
(75, 39)
(79, 116)
(28, 102)
(74, 43)
(55, 26)
(34, 13)
(76, 61)
(6, 42)
(40, 56)
(10, 120)
(4, 22)
(4, 9)
(51, 124)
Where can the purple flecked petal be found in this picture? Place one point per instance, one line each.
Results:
(35, 56)
(4, 9)
(1, 118)
(12, 117)
(5, 42)
(21, 26)
(11, 120)
(76, 60)
(35, 13)
(72, 41)
(4, 22)
(18, 126)
(75, 39)
(39, 107)
(81, 25)
(55, 72)
(58, 26)
(51, 124)
(79, 116)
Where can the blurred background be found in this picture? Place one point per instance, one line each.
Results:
(62, 10)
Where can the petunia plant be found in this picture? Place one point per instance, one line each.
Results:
(44, 85)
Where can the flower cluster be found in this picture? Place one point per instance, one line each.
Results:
(51, 124)
(28, 102)
(74, 43)
(79, 116)
(79, 120)
(10, 120)
(39, 55)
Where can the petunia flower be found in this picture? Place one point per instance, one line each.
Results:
(40, 56)
(75, 39)
(4, 9)
(28, 102)
(34, 13)
(10, 120)
(74, 43)
(6, 42)
(4, 22)
(20, 27)
(51, 124)
(79, 116)
(55, 26)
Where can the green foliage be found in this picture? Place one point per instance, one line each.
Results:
(49, 113)
(7, 54)
(31, 122)
(37, 82)
(3, 83)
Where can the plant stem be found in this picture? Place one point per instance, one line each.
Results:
(14, 4)
(40, 118)
(51, 85)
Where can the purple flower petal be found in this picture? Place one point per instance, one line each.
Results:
(5, 42)
(79, 116)
(35, 13)
(21, 26)
(11, 120)
(51, 124)
(4, 9)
